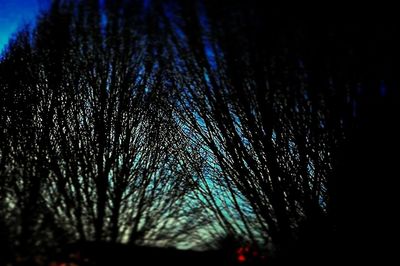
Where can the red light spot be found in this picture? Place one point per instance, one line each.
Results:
(241, 258)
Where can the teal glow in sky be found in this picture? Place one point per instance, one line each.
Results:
(15, 13)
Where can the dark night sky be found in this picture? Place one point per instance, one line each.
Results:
(14, 13)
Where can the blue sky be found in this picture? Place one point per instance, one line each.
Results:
(14, 13)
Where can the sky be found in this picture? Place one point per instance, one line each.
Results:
(15, 13)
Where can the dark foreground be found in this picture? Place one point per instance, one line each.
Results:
(99, 254)
(91, 253)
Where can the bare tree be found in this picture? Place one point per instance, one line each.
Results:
(251, 113)
(180, 123)
(91, 144)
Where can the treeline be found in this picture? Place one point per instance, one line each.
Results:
(180, 123)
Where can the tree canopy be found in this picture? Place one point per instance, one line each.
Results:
(179, 123)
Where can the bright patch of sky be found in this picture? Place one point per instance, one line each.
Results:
(16, 13)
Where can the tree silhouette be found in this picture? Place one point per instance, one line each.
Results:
(91, 148)
(261, 124)
(186, 122)
(267, 97)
